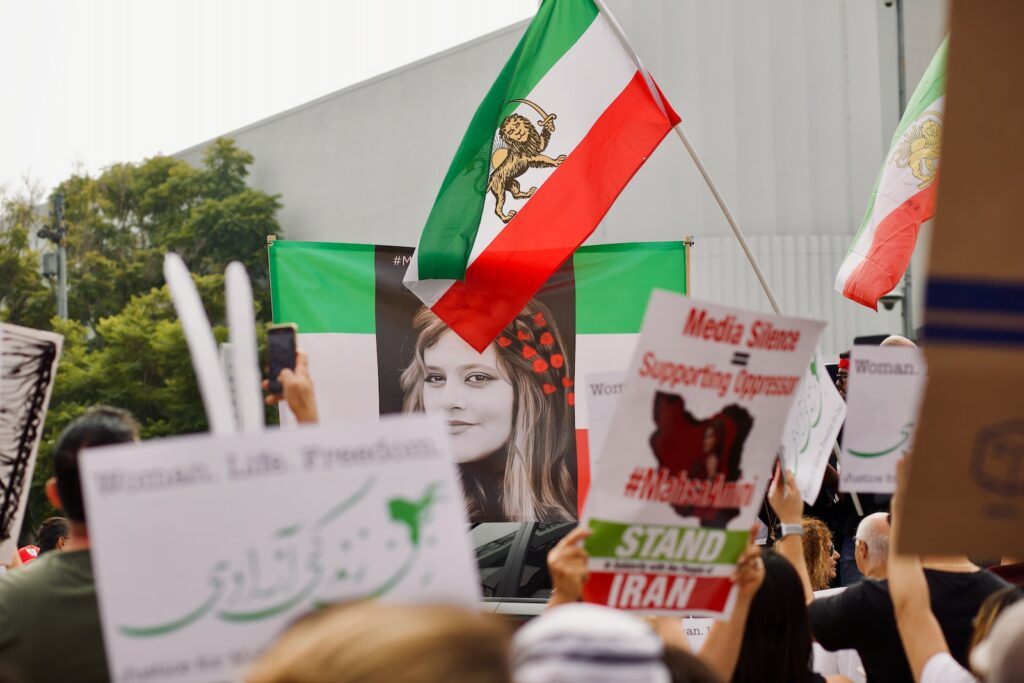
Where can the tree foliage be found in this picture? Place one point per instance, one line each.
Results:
(123, 345)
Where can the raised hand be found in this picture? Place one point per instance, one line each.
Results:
(567, 562)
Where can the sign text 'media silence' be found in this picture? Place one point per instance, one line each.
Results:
(763, 334)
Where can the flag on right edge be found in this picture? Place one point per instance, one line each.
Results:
(904, 195)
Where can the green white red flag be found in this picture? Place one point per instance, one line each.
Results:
(904, 195)
(569, 120)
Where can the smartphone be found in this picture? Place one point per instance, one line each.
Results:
(280, 352)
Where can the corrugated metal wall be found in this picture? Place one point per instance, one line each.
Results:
(801, 270)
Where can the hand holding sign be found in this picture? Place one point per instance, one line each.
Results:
(567, 563)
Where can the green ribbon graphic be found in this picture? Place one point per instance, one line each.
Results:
(906, 431)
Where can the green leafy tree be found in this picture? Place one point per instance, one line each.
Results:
(25, 297)
(123, 343)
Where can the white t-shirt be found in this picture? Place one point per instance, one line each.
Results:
(942, 668)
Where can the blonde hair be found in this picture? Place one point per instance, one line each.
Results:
(371, 642)
(538, 481)
(817, 539)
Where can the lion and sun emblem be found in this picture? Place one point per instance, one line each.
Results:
(919, 149)
(518, 147)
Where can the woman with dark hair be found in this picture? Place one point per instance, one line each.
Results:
(777, 641)
(53, 534)
(509, 411)
(777, 638)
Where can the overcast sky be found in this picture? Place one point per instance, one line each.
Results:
(90, 82)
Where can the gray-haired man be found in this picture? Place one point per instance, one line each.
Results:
(872, 546)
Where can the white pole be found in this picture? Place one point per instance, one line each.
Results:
(245, 359)
(730, 220)
(620, 34)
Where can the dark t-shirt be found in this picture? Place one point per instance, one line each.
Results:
(50, 622)
(862, 618)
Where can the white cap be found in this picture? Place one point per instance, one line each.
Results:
(582, 642)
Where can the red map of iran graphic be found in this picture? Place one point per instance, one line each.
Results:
(709, 450)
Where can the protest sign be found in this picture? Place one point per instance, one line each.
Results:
(371, 342)
(965, 490)
(883, 399)
(603, 391)
(28, 368)
(688, 456)
(207, 547)
(812, 427)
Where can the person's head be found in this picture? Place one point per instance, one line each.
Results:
(99, 426)
(990, 611)
(1000, 657)
(371, 642)
(872, 545)
(777, 636)
(819, 553)
(897, 340)
(512, 402)
(843, 373)
(53, 534)
(583, 642)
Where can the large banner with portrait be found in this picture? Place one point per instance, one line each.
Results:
(515, 414)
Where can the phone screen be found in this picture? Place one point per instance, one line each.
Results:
(280, 353)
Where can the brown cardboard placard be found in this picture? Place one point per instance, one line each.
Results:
(965, 490)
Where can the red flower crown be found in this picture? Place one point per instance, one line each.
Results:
(530, 337)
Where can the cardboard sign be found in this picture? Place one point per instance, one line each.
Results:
(688, 456)
(883, 400)
(965, 491)
(811, 429)
(603, 391)
(205, 548)
(28, 369)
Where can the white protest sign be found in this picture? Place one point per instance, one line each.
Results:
(689, 453)
(697, 630)
(603, 391)
(811, 429)
(28, 369)
(206, 547)
(883, 397)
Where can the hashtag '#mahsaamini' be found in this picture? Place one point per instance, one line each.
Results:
(636, 478)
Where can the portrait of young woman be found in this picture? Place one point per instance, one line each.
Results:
(509, 411)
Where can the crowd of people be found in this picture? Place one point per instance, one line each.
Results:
(825, 595)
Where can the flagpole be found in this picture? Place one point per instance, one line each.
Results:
(620, 34)
(729, 219)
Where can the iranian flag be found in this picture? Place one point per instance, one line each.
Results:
(356, 322)
(572, 116)
(904, 195)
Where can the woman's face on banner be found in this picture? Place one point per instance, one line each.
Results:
(474, 397)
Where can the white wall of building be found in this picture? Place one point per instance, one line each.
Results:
(791, 104)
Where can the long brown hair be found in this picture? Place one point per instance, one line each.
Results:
(539, 481)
